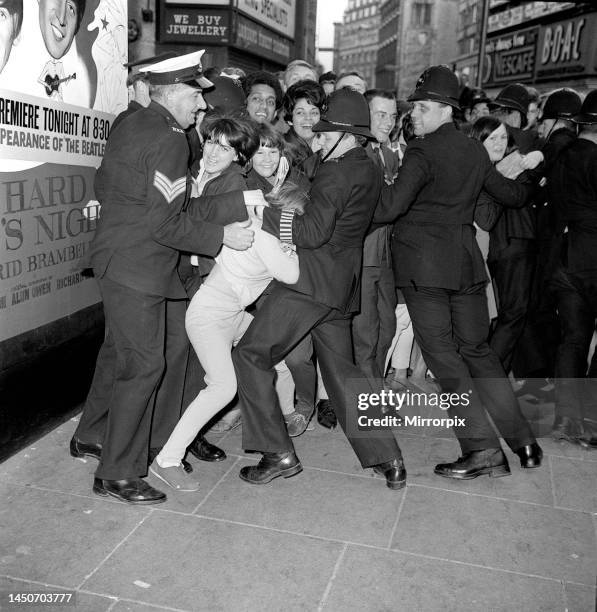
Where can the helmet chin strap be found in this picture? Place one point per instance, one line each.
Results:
(333, 148)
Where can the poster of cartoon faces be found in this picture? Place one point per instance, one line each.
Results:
(67, 50)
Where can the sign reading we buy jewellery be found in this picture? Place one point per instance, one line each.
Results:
(193, 25)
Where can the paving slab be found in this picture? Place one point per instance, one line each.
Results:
(495, 533)
(580, 598)
(320, 503)
(192, 563)
(58, 538)
(371, 580)
(575, 483)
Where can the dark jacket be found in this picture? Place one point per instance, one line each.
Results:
(574, 186)
(146, 217)
(329, 236)
(377, 250)
(433, 202)
(231, 179)
(133, 107)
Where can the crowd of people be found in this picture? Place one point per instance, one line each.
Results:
(317, 241)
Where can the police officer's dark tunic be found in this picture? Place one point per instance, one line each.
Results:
(329, 239)
(441, 272)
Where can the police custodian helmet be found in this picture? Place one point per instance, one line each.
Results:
(588, 110)
(561, 104)
(438, 84)
(347, 111)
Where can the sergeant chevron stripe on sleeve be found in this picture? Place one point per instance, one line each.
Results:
(169, 189)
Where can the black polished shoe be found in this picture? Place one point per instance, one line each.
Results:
(394, 472)
(491, 461)
(129, 490)
(588, 439)
(204, 450)
(80, 449)
(566, 428)
(271, 466)
(530, 455)
(326, 416)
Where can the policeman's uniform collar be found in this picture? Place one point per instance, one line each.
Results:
(162, 110)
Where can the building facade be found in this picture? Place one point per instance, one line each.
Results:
(414, 34)
(356, 40)
(542, 44)
(389, 44)
(244, 33)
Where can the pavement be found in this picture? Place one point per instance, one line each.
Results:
(332, 538)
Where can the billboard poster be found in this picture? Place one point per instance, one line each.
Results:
(62, 81)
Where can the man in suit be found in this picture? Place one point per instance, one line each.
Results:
(443, 277)
(329, 241)
(373, 328)
(136, 395)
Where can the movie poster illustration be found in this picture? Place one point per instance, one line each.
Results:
(62, 81)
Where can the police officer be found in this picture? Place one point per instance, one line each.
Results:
(329, 239)
(534, 358)
(573, 183)
(442, 275)
(136, 394)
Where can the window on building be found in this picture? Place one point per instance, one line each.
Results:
(421, 14)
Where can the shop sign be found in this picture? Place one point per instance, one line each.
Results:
(261, 41)
(511, 58)
(278, 15)
(568, 48)
(521, 14)
(193, 25)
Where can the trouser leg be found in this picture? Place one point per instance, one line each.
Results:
(283, 319)
(431, 316)
(137, 324)
(343, 380)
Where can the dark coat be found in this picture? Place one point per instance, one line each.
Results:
(433, 202)
(146, 217)
(330, 235)
(574, 185)
(377, 249)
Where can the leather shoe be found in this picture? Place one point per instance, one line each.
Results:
(325, 414)
(530, 455)
(155, 451)
(588, 439)
(491, 461)
(129, 490)
(271, 466)
(566, 428)
(394, 472)
(80, 449)
(204, 450)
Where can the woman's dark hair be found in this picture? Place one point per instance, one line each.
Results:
(240, 134)
(262, 78)
(484, 126)
(308, 90)
(270, 137)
